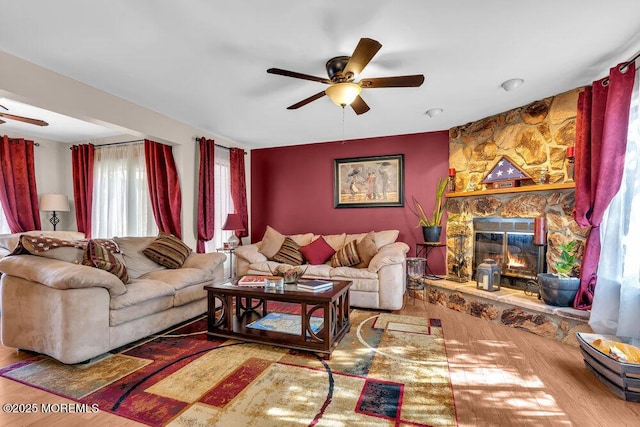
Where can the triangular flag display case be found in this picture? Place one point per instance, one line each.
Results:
(506, 174)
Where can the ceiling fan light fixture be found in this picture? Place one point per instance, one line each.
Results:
(512, 84)
(343, 94)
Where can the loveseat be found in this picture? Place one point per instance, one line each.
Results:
(374, 262)
(55, 305)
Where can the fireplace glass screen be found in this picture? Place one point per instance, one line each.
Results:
(508, 241)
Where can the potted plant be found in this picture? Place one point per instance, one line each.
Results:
(560, 288)
(431, 225)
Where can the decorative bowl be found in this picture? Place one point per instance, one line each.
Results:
(289, 275)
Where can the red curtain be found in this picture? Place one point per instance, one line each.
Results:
(206, 192)
(601, 140)
(18, 193)
(164, 187)
(239, 188)
(82, 164)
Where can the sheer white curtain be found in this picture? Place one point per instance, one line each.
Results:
(222, 201)
(616, 302)
(121, 204)
(4, 225)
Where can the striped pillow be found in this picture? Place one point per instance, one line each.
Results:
(346, 256)
(99, 256)
(367, 249)
(289, 253)
(167, 250)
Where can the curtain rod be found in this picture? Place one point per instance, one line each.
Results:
(623, 67)
(118, 143)
(37, 144)
(629, 62)
(142, 140)
(196, 139)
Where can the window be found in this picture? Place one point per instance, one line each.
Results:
(615, 305)
(222, 200)
(121, 203)
(4, 225)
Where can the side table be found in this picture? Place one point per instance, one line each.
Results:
(415, 284)
(425, 249)
(230, 252)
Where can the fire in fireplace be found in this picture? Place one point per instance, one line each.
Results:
(508, 241)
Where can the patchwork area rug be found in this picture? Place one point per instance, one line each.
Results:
(389, 370)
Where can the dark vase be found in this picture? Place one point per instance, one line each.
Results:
(558, 291)
(432, 234)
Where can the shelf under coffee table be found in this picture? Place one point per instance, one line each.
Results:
(231, 308)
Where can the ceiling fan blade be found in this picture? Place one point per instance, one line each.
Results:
(359, 106)
(398, 81)
(2, 121)
(293, 74)
(306, 101)
(361, 56)
(24, 119)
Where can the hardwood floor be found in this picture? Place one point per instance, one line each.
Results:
(500, 377)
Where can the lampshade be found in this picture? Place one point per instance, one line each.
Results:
(54, 202)
(233, 222)
(343, 93)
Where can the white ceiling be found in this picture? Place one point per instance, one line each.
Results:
(60, 128)
(204, 62)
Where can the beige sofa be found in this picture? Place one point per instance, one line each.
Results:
(74, 312)
(378, 285)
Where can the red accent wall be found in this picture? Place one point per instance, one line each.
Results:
(292, 188)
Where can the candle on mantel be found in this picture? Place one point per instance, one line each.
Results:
(571, 151)
(540, 231)
(452, 172)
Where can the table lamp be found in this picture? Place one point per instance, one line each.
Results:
(233, 223)
(54, 203)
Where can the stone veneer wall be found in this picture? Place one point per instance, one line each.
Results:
(534, 137)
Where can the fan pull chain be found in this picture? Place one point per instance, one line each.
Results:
(343, 124)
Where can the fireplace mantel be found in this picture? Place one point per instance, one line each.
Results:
(524, 189)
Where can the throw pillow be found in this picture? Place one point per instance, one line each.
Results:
(271, 242)
(99, 256)
(167, 250)
(289, 253)
(317, 252)
(346, 256)
(336, 241)
(386, 237)
(367, 249)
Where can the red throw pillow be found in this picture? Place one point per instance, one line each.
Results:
(317, 252)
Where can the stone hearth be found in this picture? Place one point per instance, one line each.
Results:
(509, 307)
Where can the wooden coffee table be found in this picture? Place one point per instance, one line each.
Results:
(231, 308)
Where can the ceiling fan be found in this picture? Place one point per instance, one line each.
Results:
(342, 71)
(36, 122)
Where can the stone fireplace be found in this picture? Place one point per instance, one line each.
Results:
(493, 220)
(536, 138)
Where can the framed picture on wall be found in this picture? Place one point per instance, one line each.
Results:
(367, 182)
